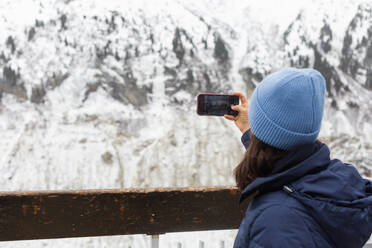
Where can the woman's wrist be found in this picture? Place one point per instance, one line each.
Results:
(244, 129)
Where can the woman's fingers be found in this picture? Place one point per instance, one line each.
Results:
(238, 108)
(230, 117)
(242, 98)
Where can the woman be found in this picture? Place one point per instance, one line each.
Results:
(301, 198)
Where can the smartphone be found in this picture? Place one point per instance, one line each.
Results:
(216, 104)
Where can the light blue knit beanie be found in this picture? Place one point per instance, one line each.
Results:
(286, 108)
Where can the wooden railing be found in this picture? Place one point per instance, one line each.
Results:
(62, 214)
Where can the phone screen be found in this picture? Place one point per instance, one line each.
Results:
(218, 105)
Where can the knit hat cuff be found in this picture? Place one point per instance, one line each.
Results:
(272, 134)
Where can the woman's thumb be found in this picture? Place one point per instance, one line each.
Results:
(237, 108)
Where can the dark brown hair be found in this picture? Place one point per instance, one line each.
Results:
(257, 162)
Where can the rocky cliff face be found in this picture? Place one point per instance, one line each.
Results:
(107, 93)
(356, 59)
(118, 45)
(102, 95)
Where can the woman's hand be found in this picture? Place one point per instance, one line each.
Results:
(241, 120)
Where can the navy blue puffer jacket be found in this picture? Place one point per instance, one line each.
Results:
(308, 201)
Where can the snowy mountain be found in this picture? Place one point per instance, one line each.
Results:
(102, 94)
(356, 59)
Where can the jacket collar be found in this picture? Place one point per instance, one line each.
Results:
(299, 161)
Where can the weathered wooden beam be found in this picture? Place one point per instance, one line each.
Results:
(62, 214)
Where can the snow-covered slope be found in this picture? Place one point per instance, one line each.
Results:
(101, 94)
(119, 83)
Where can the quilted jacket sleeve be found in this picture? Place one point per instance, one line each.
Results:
(279, 226)
(246, 139)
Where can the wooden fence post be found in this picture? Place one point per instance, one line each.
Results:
(154, 241)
